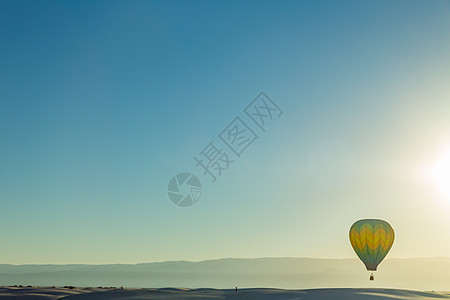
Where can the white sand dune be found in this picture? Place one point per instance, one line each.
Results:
(40, 292)
(188, 294)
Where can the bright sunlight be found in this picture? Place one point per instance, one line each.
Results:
(441, 173)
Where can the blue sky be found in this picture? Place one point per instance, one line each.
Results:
(102, 102)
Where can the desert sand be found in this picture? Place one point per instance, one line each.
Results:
(204, 293)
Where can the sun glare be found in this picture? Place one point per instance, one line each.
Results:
(441, 174)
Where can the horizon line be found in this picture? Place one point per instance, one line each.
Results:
(215, 259)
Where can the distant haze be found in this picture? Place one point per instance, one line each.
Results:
(294, 273)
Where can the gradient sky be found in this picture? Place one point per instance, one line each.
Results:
(102, 102)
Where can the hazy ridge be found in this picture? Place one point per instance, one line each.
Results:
(298, 273)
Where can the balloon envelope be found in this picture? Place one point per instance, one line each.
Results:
(371, 239)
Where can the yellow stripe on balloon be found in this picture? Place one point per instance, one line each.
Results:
(354, 239)
(383, 239)
(358, 241)
(372, 240)
(389, 239)
(368, 235)
(363, 237)
(377, 238)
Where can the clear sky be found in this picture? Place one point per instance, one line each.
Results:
(102, 102)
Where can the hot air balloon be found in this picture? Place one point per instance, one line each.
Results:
(371, 239)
